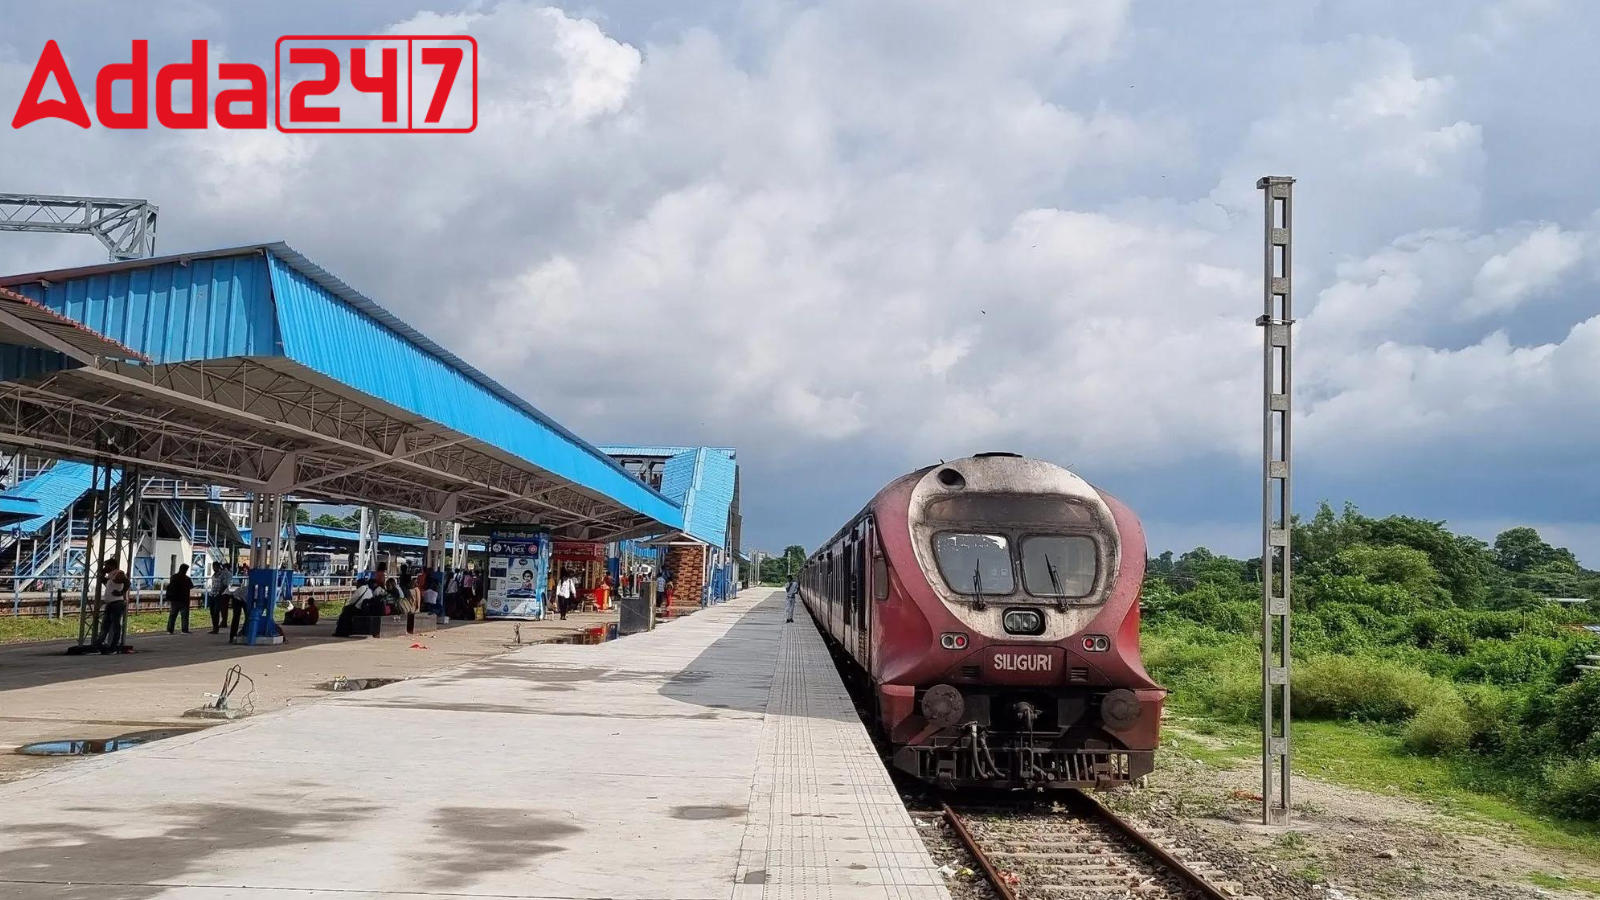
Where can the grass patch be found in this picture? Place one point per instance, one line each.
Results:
(1217, 745)
(18, 629)
(1566, 882)
(21, 629)
(1374, 759)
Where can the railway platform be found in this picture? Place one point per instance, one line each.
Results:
(716, 757)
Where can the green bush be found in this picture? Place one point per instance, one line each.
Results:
(1358, 591)
(1493, 714)
(1523, 660)
(1572, 789)
(1575, 717)
(1231, 690)
(1377, 690)
(1441, 727)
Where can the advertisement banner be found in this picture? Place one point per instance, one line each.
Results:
(519, 566)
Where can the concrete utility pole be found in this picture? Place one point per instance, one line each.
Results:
(1276, 319)
(126, 227)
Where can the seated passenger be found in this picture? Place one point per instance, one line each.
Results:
(355, 606)
(304, 614)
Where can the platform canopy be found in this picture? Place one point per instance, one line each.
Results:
(254, 367)
(702, 480)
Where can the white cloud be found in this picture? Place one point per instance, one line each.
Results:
(909, 230)
(1536, 264)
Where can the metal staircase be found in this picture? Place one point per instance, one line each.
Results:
(52, 547)
(57, 550)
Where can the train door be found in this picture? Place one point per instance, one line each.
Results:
(850, 571)
(861, 590)
(877, 581)
(833, 594)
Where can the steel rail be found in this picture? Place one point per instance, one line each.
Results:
(1193, 879)
(984, 863)
(1089, 808)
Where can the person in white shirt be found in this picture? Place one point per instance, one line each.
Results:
(566, 594)
(217, 596)
(791, 592)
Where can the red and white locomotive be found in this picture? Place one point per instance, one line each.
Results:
(992, 604)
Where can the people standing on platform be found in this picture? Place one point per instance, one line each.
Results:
(405, 579)
(566, 594)
(217, 596)
(109, 640)
(791, 592)
(179, 587)
(238, 604)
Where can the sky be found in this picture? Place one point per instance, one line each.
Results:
(851, 239)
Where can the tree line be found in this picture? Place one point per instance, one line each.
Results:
(1455, 644)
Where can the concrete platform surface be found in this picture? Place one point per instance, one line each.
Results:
(47, 696)
(716, 757)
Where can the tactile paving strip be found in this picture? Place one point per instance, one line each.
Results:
(825, 820)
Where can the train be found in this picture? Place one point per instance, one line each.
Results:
(989, 607)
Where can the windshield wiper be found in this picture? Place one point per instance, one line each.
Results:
(977, 583)
(1055, 583)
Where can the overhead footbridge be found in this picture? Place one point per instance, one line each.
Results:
(253, 367)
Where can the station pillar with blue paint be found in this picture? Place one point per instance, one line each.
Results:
(271, 579)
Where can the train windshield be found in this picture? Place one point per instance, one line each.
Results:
(1058, 565)
(974, 563)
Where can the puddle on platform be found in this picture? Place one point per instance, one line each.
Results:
(96, 746)
(343, 684)
(589, 636)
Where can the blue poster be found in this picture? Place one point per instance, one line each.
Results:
(519, 566)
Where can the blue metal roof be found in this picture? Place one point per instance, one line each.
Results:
(17, 509)
(54, 490)
(269, 300)
(702, 480)
(649, 450)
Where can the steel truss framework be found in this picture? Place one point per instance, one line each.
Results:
(127, 228)
(269, 425)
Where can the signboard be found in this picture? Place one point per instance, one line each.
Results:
(579, 550)
(519, 567)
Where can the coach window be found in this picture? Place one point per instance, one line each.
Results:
(974, 563)
(1058, 565)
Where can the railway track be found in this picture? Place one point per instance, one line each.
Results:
(1076, 849)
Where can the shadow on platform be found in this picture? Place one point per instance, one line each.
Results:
(736, 671)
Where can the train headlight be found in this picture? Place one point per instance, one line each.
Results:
(1096, 643)
(1023, 621)
(953, 640)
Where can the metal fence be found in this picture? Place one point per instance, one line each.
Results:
(58, 597)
